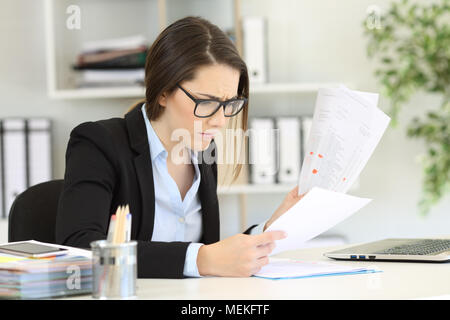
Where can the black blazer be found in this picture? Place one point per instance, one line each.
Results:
(108, 164)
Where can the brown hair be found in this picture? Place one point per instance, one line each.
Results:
(178, 52)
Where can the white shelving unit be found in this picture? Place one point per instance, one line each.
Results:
(122, 18)
(254, 189)
(147, 17)
(296, 87)
(62, 44)
(89, 93)
(136, 92)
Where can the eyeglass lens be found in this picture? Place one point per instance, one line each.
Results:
(207, 108)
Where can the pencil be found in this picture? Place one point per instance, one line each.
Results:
(117, 226)
(112, 224)
(128, 232)
(121, 225)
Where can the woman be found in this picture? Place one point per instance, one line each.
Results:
(195, 81)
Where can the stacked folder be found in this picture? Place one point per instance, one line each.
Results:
(26, 278)
(25, 157)
(276, 148)
(112, 62)
(254, 31)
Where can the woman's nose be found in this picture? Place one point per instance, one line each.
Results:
(218, 119)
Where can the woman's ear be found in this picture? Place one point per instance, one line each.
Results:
(163, 100)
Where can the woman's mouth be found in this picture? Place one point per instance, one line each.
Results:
(206, 136)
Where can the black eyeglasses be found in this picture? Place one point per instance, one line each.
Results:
(205, 108)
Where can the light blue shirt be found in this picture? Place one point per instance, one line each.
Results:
(176, 219)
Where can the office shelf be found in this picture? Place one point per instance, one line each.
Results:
(108, 92)
(146, 17)
(236, 189)
(295, 87)
(254, 189)
(139, 92)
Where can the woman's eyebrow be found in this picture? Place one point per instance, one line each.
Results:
(214, 97)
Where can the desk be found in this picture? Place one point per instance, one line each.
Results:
(399, 280)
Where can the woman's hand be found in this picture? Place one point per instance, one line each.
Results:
(240, 255)
(290, 199)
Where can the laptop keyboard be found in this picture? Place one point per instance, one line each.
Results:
(420, 248)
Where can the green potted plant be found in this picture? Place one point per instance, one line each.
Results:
(411, 42)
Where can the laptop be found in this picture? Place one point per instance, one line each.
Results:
(420, 250)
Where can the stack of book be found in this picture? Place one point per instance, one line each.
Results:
(112, 62)
(37, 278)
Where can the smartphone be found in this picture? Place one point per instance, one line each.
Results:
(32, 250)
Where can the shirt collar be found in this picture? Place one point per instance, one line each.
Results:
(156, 146)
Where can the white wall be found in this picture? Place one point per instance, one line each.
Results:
(308, 41)
(323, 41)
(23, 81)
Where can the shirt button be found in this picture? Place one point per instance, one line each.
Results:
(181, 219)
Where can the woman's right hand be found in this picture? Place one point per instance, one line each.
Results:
(240, 255)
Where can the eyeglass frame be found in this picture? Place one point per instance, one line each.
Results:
(221, 103)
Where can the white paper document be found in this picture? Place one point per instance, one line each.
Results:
(346, 128)
(318, 211)
(288, 269)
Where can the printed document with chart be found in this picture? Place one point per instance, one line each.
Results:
(347, 126)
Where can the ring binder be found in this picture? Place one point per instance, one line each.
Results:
(262, 151)
(2, 170)
(39, 168)
(306, 128)
(254, 36)
(289, 149)
(14, 155)
(25, 157)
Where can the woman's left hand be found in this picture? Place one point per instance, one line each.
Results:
(290, 199)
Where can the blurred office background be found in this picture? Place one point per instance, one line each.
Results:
(308, 42)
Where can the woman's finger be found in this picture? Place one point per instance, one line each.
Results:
(295, 190)
(262, 261)
(266, 249)
(269, 236)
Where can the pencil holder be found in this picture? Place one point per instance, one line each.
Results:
(114, 270)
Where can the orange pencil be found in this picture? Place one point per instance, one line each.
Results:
(121, 229)
(117, 226)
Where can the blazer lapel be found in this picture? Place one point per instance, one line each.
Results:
(207, 190)
(208, 199)
(139, 143)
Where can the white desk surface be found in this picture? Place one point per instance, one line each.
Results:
(398, 280)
